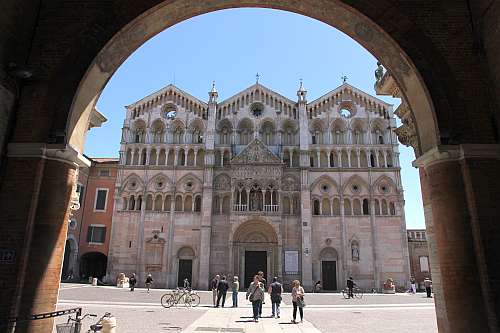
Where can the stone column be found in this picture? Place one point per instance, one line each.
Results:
(35, 196)
(460, 188)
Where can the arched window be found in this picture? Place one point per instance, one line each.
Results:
(325, 207)
(216, 205)
(197, 204)
(200, 158)
(131, 203)
(181, 157)
(347, 207)
(188, 203)
(124, 203)
(149, 202)
(377, 207)
(167, 204)
(336, 206)
(161, 157)
(384, 207)
(268, 133)
(158, 203)
(190, 160)
(225, 158)
(393, 208)
(138, 204)
(316, 210)
(171, 157)
(366, 207)
(356, 207)
(128, 160)
(152, 157)
(333, 157)
(372, 160)
(178, 203)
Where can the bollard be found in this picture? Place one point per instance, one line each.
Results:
(109, 324)
(94, 282)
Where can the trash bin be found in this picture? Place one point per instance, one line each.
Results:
(94, 281)
(109, 325)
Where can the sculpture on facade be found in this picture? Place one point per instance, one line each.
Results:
(379, 72)
(355, 251)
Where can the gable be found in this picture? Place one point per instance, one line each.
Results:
(256, 152)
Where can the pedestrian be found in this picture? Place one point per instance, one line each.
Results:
(275, 290)
(262, 280)
(297, 300)
(132, 281)
(413, 285)
(222, 288)
(255, 294)
(317, 287)
(235, 289)
(187, 285)
(350, 287)
(215, 282)
(428, 286)
(149, 281)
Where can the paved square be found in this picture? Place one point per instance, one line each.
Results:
(140, 311)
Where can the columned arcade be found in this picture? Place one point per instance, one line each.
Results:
(443, 55)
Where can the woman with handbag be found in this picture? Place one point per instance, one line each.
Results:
(255, 294)
(298, 300)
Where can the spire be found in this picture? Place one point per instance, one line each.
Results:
(213, 94)
(302, 92)
(257, 77)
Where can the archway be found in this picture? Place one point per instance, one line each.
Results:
(93, 264)
(186, 267)
(69, 270)
(329, 269)
(255, 248)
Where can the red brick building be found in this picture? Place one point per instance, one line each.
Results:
(418, 251)
(87, 245)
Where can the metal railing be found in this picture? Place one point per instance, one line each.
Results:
(14, 321)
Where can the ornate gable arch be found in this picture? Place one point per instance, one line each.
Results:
(133, 176)
(384, 180)
(184, 180)
(356, 180)
(153, 182)
(325, 179)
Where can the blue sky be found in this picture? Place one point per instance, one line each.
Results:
(230, 47)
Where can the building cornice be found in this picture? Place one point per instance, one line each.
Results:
(445, 153)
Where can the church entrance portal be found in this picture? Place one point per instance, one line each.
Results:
(329, 275)
(255, 261)
(185, 271)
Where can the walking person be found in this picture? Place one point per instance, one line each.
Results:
(132, 281)
(428, 286)
(255, 294)
(214, 284)
(350, 287)
(297, 300)
(413, 285)
(222, 288)
(149, 281)
(262, 280)
(275, 290)
(235, 289)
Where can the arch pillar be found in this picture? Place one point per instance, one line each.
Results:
(35, 220)
(460, 189)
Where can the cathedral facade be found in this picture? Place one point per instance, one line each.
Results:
(297, 189)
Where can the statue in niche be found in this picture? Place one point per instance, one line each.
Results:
(355, 251)
(255, 201)
(379, 72)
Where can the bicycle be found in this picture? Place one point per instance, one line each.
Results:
(74, 325)
(188, 296)
(356, 292)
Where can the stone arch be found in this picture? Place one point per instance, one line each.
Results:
(328, 253)
(132, 177)
(186, 252)
(384, 180)
(325, 179)
(257, 227)
(355, 179)
(153, 184)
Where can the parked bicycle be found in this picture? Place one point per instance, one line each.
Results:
(188, 297)
(356, 292)
(74, 325)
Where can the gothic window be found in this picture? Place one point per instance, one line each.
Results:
(268, 133)
(347, 207)
(316, 208)
(171, 157)
(345, 159)
(366, 207)
(326, 207)
(384, 207)
(336, 206)
(181, 157)
(131, 204)
(393, 208)
(200, 158)
(149, 202)
(138, 204)
(143, 156)
(356, 207)
(377, 207)
(158, 203)
(178, 203)
(167, 203)
(245, 129)
(372, 160)
(381, 139)
(188, 203)
(363, 162)
(390, 162)
(197, 204)
(190, 159)
(161, 157)
(128, 159)
(332, 159)
(152, 157)
(158, 131)
(124, 203)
